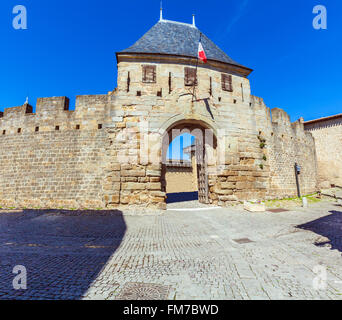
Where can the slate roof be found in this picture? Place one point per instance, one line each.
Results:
(176, 38)
(336, 116)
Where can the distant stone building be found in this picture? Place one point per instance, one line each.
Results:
(328, 139)
(111, 151)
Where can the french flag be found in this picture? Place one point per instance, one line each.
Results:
(201, 53)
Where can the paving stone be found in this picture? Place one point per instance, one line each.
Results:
(96, 256)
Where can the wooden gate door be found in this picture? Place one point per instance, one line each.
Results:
(202, 176)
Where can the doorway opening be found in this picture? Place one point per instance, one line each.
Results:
(187, 147)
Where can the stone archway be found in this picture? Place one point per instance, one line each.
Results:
(204, 153)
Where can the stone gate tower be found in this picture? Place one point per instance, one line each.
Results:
(110, 151)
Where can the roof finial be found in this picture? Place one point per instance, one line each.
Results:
(193, 20)
(161, 10)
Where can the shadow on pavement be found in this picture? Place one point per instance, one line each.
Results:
(181, 197)
(63, 251)
(329, 227)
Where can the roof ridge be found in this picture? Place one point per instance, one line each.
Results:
(177, 22)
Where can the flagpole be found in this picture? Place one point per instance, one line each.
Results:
(193, 93)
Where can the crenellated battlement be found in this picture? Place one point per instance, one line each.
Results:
(284, 129)
(280, 116)
(53, 114)
(256, 100)
(52, 105)
(16, 112)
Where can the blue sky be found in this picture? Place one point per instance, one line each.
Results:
(175, 150)
(69, 47)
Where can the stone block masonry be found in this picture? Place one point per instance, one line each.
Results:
(50, 163)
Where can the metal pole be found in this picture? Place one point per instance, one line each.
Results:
(297, 180)
(195, 81)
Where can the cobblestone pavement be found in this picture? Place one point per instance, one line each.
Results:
(174, 255)
(187, 205)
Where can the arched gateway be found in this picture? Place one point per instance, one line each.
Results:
(202, 156)
(110, 151)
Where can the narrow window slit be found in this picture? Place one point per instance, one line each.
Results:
(243, 99)
(211, 87)
(170, 83)
(128, 81)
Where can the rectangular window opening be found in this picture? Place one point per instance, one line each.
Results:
(190, 76)
(227, 82)
(149, 74)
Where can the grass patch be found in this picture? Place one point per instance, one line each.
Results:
(278, 202)
(313, 199)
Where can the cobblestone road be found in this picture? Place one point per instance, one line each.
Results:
(172, 255)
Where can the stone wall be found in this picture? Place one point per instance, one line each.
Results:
(50, 162)
(328, 139)
(108, 152)
(290, 144)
